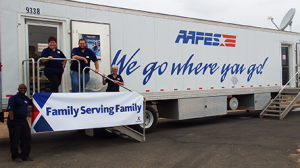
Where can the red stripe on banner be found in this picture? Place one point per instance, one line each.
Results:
(147, 90)
(230, 41)
(9, 95)
(200, 87)
(175, 89)
(229, 45)
(3, 110)
(221, 44)
(188, 89)
(161, 89)
(211, 87)
(229, 36)
(35, 113)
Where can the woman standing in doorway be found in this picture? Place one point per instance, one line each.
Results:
(53, 68)
(117, 79)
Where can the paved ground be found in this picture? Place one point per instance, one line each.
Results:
(235, 140)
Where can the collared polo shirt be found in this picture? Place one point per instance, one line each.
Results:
(53, 66)
(87, 54)
(111, 86)
(18, 105)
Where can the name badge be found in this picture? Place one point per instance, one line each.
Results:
(58, 52)
(87, 56)
(25, 101)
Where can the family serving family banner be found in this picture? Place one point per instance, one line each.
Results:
(72, 111)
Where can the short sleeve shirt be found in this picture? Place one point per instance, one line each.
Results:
(111, 86)
(53, 66)
(18, 105)
(87, 54)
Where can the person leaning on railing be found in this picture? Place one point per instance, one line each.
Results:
(53, 68)
(117, 79)
(84, 55)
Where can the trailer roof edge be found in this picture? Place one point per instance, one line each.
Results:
(161, 15)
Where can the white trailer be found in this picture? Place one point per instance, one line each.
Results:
(184, 67)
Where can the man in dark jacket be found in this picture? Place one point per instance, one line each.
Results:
(19, 131)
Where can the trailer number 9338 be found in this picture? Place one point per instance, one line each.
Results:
(31, 10)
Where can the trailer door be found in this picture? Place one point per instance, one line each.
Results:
(97, 36)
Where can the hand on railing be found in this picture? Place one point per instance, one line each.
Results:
(103, 76)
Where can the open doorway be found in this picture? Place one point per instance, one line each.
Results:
(37, 38)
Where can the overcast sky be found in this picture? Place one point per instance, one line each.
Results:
(250, 12)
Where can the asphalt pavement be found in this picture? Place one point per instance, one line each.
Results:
(235, 140)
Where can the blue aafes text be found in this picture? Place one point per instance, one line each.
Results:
(210, 39)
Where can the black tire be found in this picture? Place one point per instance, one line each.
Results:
(150, 121)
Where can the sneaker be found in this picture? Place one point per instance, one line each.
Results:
(18, 160)
(28, 158)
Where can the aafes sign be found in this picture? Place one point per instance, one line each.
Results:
(211, 39)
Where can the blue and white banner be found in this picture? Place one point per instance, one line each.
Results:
(72, 111)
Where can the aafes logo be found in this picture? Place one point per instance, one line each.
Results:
(138, 119)
(210, 39)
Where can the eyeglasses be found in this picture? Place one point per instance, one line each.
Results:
(81, 43)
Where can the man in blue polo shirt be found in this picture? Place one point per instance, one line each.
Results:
(19, 131)
(84, 55)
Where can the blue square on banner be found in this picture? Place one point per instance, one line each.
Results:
(42, 125)
(41, 98)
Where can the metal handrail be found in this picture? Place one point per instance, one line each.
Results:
(144, 99)
(279, 94)
(62, 59)
(289, 81)
(33, 73)
(83, 76)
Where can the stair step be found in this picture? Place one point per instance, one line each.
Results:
(291, 93)
(291, 90)
(272, 111)
(270, 115)
(286, 99)
(279, 107)
(286, 95)
(273, 103)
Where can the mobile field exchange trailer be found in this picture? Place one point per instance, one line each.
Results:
(184, 67)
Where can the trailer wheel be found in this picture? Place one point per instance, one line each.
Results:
(150, 121)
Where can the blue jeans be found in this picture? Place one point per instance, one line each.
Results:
(75, 81)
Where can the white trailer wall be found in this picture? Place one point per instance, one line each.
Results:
(151, 37)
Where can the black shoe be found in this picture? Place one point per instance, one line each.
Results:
(28, 158)
(18, 160)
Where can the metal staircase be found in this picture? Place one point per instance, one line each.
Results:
(125, 132)
(282, 104)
